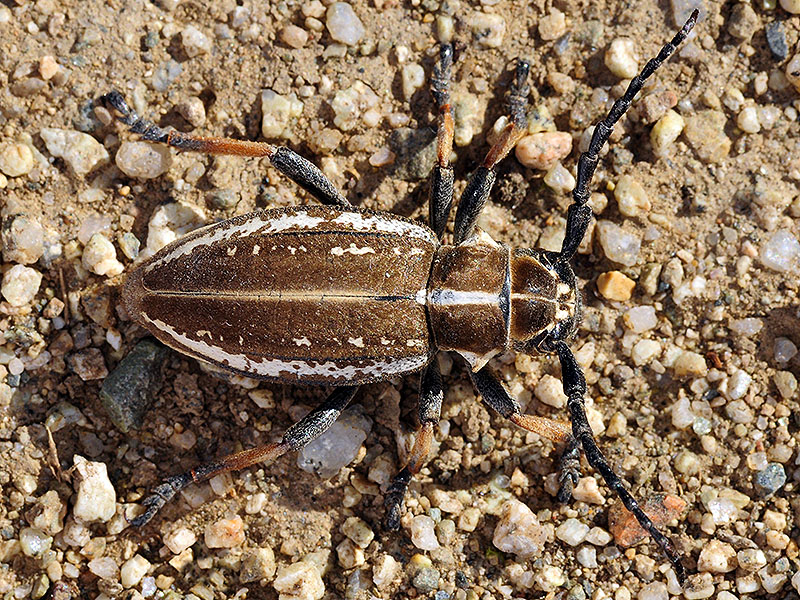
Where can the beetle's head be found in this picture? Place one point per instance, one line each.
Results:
(545, 301)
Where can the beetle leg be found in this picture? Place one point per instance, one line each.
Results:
(441, 192)
(498, 398)
(429, 410)
(575, 388)
(298, 435)
(480, 185)
(579, 214)
(300, 170)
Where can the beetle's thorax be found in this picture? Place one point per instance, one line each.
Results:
(484, 298)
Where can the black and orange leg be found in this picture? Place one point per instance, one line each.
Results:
(440, 199)
(431, 395)
(480, 185)
(497, 397)
(575, 389)
(298, 435)
(300, 170)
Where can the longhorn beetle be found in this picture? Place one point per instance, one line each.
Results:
(339, 296)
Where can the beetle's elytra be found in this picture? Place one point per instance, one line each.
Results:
(338, 296)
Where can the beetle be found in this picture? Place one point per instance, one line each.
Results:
(339, 296)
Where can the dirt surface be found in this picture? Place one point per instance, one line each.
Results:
(714, 204)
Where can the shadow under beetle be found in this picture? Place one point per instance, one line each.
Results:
(339, 296)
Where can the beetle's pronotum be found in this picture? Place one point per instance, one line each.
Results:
(338, 296)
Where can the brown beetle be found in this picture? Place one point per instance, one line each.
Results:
(338, 296)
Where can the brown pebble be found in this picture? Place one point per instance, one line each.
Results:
(661, 508)
(614, 285)
(294, 36)
(543, 150)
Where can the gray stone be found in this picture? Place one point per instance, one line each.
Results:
(415, 151)
(770, 480)
(129, 389)
(776, 40)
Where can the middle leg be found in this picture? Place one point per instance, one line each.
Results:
(498, 398)
(431, 395)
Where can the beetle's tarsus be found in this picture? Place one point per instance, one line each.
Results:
(159, 497)
(570, 468)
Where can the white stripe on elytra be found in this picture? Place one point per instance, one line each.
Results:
(256, 224)
(292, 368)
(361, 222)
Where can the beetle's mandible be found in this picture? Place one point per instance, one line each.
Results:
(339, 296)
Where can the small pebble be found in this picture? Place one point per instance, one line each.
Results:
(422, 533)
(343, 24)
(257, 564)
(23, 239)
(488, 29)
(338, 446)
(776, 39)
(412, 79)
(299, 581)
(15, 159)
(20, 285)
(743, 22)
(193, 110)
(640, 318)
(278, 114)
(445, 28)
(781, 252)
(358, 531)
(385, 570)
(653, 591)
(738, 383)
(179, 539)
(34, 542)
(426, 580)
(104, 567)
(666, 130)
(572, 531)
(48, 67)
(661, 508)
(631, 197)
(587, 557)
(786, 383)
(770, 480)
(466, 114)
(751, 559)
(552, 26)
(560, 180)
(79, 150)
(791, 6)
(621, 59)
(705, 133)
(132, 570)
(195, 42)
(717, 557)
(96, 498)
(747, 120)
(543, 150)
(644, 352)
(224, 533)
(784, 350)
(690, 364)
(100, 256)
(518, 531)
(614, 285)
(170, 221)
(350, 555)
(618, 245)
(294, 36)
(165, 74)
(549, 390)
(143, 160)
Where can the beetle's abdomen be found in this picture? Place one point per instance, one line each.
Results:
(315, 295)
(468, 299)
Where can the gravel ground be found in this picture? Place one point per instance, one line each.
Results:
(689, 340)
